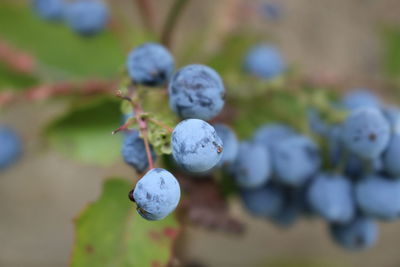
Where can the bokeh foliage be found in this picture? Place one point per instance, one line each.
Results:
(109, 232)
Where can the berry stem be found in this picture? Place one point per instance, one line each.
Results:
(171, 21)
(162, 125)
(148, 152)
(141, 120)
(121, 128)
(143, 129)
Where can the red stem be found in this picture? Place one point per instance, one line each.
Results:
(44, 92)
(138, 111)
(132, 97)
(148, 152)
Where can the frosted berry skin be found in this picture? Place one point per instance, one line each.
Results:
(379, 197)
(134, 151)
(196, 91)
(49, 9)
(366, 133)
(392, 114)
(263, 201)
(331, 196)
(335, 145)
(361, 233)
(295, 160)
(150, 64)
(229, 142)
(316, 124)
(291, 209)
(156, 194)
(196, 147)
(354, 166)
(252, 167)
(360, 98)
(268, 134)
(86, 17)
(10, 147)
(391, 157)
(264, 61)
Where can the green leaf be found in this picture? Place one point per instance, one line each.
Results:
(84, 133)
(391, 55)
(61, 51)
(110, 232)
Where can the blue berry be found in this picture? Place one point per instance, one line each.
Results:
(10, 147)
(196, 91)
(49, 9)
(156, 194)
(316, 124)
(354, 166)
(271, 11)
(392, 155)
(196, 146)
(262, 201)
(335, 145)
(230, 143)
(392, 114)
(359, 234)
(331, 196)
(150, 64)
(264, 61)
(360, 98)
(134, 151)
(268, 134)
(295, 160)
(127, 116)
(287, 216)
(252, 167)
(379, 197)
(366, 133)
(86, 17)
(291, 209)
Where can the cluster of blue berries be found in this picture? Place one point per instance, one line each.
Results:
(10, 147)
(279, 172)
(85, 17)
(196, 93)
(272, 171)
(365, 186)
(286, 179)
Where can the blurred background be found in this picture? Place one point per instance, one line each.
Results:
(343, 43)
